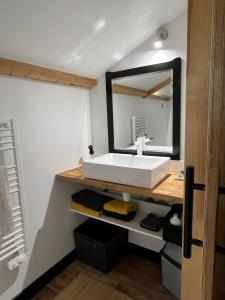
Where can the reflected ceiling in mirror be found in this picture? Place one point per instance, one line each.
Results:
(145, 102)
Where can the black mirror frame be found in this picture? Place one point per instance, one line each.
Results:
(174, 64)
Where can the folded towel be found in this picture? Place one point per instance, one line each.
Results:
(120, 206)
(90, 199)
(151, 222)
(85, 210)
(6, 216)
(127, 217)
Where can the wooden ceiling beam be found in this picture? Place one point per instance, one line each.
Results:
(126, 90)
(157, 87)
(20, 69)
(160, 97)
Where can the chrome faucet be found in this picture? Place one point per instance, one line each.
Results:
(139, 145)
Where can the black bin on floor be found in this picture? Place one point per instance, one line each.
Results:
(100, 244)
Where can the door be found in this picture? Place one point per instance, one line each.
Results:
(204, 214)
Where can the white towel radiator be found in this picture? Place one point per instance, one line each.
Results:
(14, 246)
(138, 127)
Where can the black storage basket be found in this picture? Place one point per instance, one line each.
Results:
(100, 244)
(172, 233)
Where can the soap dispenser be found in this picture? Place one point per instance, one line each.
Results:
(175, 220)
(91, 150)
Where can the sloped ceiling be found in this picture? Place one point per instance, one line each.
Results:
(86, 37)
(145, 81)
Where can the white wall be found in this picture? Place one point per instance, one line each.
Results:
(54, 130)
(174, 46)
(124, 106)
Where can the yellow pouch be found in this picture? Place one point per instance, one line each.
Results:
(83, 209)
(120, 206)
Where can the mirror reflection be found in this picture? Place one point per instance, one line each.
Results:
(143, 107)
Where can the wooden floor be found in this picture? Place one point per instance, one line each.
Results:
(134, 277)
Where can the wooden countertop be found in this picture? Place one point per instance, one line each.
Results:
(169, 189)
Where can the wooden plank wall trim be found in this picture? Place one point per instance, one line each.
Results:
(20, 69)
(197, 95)
(214, 265)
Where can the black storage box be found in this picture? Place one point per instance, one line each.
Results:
(172, 233)
(100, 244)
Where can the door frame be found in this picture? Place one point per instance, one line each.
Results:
(215, 139)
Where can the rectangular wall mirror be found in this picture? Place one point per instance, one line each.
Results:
(145, 102)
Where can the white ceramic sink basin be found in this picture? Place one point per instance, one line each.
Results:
(135, 170)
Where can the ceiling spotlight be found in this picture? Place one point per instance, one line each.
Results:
(161, 36)
(158, 44)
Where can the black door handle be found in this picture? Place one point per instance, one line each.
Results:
(188, 211)
(190, 186)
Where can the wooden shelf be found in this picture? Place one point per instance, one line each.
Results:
(133, 225)
(169, 189)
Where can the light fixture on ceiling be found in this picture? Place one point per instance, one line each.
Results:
(161, 36)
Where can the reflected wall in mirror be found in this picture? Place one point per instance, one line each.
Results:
(145, 102)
